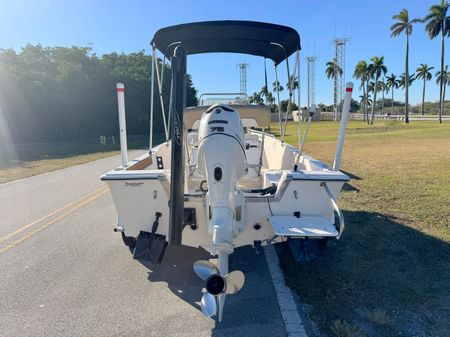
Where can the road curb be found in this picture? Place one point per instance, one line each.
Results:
(292, 321)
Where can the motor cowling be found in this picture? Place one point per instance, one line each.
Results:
(222, 162)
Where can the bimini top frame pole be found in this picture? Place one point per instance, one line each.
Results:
(278, 102)
(152, 89)
(299, 114)
(291, 90)
(176, 219)
(160, 89)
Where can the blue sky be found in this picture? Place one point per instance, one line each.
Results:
(126, 26)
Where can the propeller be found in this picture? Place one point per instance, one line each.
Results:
(208, 304)
(217, 286)
(205, 269)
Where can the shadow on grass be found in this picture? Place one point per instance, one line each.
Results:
(349, 188)
(351, 175)
(379, 264)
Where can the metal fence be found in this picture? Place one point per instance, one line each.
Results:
(412, 117)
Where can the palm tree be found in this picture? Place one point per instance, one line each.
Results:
(443, 78)
(277, 87)
(256, 98)
(392, 83)
(362, 73)
(404, 24)
(376, 69)
(264, 92)
(403, 80)
(423, 72)
(333, 70)
(367, 99)
(269, 98)
(437, 22)
(382, 87)
(362, 99)
(371, 87)
(293, 80)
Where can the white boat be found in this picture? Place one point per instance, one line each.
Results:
(220, 181)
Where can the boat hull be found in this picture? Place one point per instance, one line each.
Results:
(139, 195)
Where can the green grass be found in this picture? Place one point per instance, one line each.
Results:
(31, 168)
(390, 273)
(26, 160)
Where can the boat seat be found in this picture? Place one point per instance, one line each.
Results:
(253, 154)
(194, 155)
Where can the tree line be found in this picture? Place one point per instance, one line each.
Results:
(50, 94)
(373, 75)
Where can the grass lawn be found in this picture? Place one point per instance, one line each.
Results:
(389, 275)
(26, 160)
(34, 167)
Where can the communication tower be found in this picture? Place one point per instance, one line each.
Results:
(339, 78)
(243, 77)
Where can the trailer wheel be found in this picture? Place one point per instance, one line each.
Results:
(129, 241)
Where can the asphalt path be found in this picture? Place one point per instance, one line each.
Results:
(64, 272)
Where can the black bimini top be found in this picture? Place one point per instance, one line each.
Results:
(246, 37)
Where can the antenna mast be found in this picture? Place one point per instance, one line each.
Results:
(339, 80)
(243, 77)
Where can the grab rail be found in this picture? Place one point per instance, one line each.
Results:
(238, 94)
(336, 208)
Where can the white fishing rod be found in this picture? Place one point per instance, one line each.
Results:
(122, 123)
(343, 126)
(312, 111)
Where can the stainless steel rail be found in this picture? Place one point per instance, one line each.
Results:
(336, 209)
(239, 94)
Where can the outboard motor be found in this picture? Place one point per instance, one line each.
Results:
(222, 162)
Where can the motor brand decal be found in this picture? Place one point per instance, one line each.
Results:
(177, 129)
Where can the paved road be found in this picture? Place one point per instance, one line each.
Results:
(64, 272)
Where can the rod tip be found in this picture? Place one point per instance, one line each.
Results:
(120, 87)
(349, 87)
